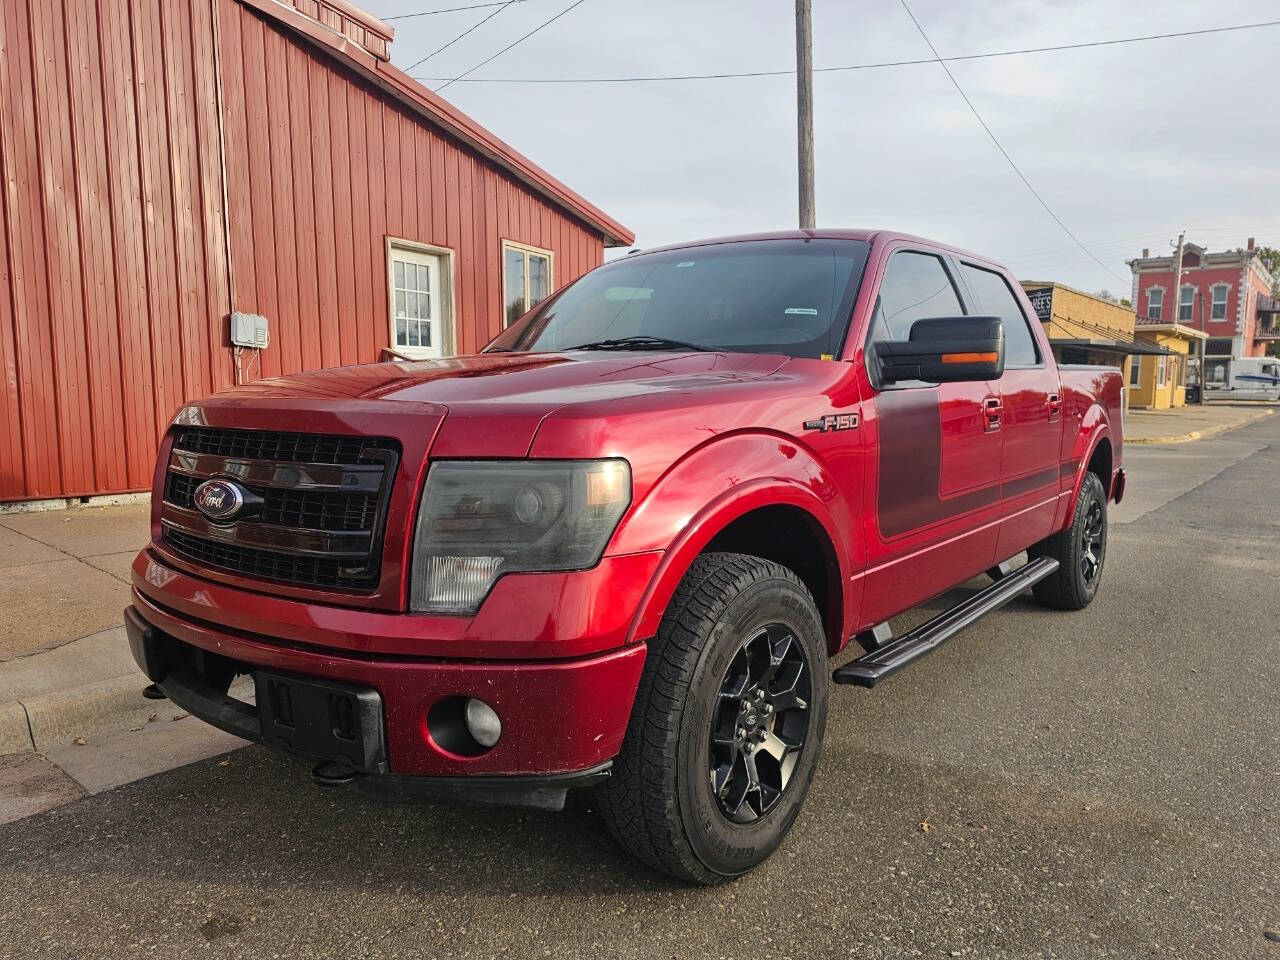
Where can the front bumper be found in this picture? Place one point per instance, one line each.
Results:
(560, 718)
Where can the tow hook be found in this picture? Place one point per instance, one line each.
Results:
(335, 773)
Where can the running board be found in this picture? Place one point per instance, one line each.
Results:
(870, 669)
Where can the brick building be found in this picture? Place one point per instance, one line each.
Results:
(1226, 295)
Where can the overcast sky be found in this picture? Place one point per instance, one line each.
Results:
(1128, 144)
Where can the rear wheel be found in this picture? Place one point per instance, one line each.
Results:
(1081, 551)
(727, 726)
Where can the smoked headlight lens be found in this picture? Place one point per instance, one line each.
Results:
(480, 519)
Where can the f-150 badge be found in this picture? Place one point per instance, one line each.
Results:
(833, 421)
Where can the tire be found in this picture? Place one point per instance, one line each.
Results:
(672, 791)
(1081, 552)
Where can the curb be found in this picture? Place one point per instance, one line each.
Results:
(15, 734)
(59, 718)
(1201, 434)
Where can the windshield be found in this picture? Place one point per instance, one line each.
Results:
(793, 297)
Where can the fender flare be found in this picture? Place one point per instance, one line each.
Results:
(1094, 428)
(791, 482)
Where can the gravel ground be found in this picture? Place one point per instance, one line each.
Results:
(1100, 784)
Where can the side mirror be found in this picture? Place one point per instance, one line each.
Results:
(945, 350)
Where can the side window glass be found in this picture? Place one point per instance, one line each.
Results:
(996, 299)
(915, 286)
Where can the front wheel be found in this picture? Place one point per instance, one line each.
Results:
(1080, 550)
(727, 726)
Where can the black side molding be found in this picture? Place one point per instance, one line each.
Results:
(868, 670)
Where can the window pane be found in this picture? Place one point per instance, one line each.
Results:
(398, 270)
(997, 299)
(424, 277)
(424, 334)
(424, 306)
(513, 283)
(915, 286)
(1135, 371)
(539, 268)
(413, 333)
(399, 303)
(401, 335)
(1186, 297)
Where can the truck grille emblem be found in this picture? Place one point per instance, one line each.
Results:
(219, 500)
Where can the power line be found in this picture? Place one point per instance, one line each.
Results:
(481, 22)
(865, 66)
(545, 23)
(1035, 193)
(431, 13)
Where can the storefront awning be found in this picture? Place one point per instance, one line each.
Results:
(1125, 347)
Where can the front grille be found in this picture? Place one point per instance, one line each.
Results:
(320, 523)
(279, 446)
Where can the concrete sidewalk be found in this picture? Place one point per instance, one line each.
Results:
(72, 716)
(1194, 422)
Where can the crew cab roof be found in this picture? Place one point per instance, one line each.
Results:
(872, 236)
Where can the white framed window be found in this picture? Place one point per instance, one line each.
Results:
(526, 279)
(1135, 371)
(1160, 370)
(420, 296)
(1155, 302)
(1186, 301)
(1218, 307)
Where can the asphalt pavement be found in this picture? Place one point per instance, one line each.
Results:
(1097, 784)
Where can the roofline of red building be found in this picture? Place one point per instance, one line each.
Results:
(443, 114)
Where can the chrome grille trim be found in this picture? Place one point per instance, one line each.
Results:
(345, 478)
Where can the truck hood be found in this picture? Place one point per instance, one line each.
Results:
(496, 402)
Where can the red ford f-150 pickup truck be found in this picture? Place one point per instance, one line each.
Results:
(619, 547)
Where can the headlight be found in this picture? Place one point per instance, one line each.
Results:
(481, 519)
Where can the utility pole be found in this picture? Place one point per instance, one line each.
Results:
(804, 109)
(1177, 303)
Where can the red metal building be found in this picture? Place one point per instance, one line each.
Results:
(164, 163)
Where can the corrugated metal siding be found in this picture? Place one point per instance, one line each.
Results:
(113, 250)
(333, 166)
(114, 287)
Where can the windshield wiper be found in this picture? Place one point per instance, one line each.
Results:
(640, 343)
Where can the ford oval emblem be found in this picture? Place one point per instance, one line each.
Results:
(220, 500)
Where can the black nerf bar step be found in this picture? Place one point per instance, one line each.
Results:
(870, 669)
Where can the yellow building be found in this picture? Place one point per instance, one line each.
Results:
(1160, 382)
(1083, 328)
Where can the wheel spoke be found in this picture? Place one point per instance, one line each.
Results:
(778, 651)
(776, 747)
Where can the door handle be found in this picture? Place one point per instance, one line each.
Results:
(1055, 407)
(992, 409)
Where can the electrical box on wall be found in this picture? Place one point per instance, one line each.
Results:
(249, 330)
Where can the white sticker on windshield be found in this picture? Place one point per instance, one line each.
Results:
(684, 263)
(801, 311)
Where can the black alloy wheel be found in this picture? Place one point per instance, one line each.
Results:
(726, 731)
(759, 730)
(1080, 549)
(1091, 543)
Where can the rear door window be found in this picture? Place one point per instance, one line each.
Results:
(997, 300)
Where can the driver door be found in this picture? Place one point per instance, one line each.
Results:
(934, 496)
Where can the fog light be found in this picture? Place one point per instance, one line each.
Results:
(483, 723)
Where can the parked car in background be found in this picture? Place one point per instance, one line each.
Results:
(618, 548)
(1243, 378)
